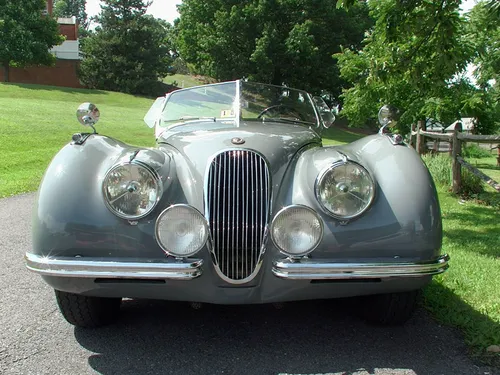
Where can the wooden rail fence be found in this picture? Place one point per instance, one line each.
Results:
(417, 140)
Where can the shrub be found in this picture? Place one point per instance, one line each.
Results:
(471, 185)
(180, 67)
(474, 151)
(440, 169)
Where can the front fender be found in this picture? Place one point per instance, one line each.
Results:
(404, 220)
(70, 212)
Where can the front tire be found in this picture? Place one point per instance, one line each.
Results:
(87, 312)
(390, 308)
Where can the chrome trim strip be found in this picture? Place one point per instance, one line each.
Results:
(321, 269)
(136, 268)
(237, 104)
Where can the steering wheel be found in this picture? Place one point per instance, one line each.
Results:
(278, 107)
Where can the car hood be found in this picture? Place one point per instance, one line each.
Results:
(277, 142)
(191, 148)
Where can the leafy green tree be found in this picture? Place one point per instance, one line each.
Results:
(129, 50)
(493, 7)
(410, 59)
(70, 8)
(279, 41)
(485, 35)
(26, 35)
(483, 29)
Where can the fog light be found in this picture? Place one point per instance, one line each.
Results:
(181, 230)
(296, 230)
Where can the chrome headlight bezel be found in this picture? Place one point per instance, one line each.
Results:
(150, 172)
(158, 237)
(283, 211)
(325, 172)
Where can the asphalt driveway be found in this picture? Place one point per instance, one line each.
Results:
(155, 337)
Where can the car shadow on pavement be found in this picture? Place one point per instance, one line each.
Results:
(310, 337)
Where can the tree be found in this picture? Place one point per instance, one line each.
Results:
(483, 29)
(412, 59)
(493, 7)
(128, 51)
(281, 41)
(26, 35)
(70, 8)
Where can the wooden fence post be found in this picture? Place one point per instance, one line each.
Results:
(455, 165)
(435, 147)
(412, 137)
(420, 137)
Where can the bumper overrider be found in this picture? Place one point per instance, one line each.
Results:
(188, 269)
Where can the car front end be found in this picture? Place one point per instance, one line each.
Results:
(236, 211)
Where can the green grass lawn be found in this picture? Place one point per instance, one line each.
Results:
(338, 136)
(36, 121)
(183, 81)
(467, 296)
(487, 165)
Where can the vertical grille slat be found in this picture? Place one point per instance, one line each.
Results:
(247, 200)
(237, 198)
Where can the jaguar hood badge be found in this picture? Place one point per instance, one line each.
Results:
(237, 141)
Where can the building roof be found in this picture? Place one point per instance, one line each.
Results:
(66, 20)
(467, 124)
(433, 125)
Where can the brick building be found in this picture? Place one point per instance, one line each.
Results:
(64, 73)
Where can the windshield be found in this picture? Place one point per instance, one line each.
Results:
(239, 101)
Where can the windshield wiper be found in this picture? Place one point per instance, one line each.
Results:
(181, 120)
(184, 118)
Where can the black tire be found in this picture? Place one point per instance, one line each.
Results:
(87, 312)
(390, 308)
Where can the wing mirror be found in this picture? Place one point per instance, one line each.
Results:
(327, 116)
(88, 115)
(388, 116)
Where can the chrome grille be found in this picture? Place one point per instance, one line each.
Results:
(237, 206)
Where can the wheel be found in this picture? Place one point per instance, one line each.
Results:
(281, 108)
(87, 312)
(390, 308)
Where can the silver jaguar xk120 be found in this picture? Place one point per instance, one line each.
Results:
(239, 203)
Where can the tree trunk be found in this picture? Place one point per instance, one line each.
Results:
(6, 72)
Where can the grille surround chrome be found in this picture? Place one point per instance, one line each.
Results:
(266, 195)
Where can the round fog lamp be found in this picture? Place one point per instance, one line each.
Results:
(181, 230)
(296, 230)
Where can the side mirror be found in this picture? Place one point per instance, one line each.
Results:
(88, 114)
(388, 116)
(327, 116)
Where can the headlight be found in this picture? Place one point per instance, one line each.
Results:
(296, 230)
(181, 230)
(131, 190)
(345, 190)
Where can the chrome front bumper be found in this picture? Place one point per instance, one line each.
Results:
(314, 269)
(103, 268)
(188, 269)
